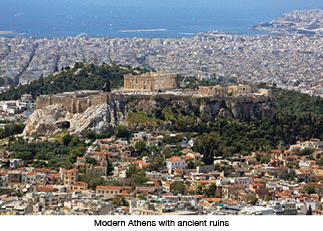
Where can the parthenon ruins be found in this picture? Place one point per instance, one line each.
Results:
(152, 81)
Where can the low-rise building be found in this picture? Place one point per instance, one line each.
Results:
(108, 191)
(175, 162)
(244, 181)
(70, 177)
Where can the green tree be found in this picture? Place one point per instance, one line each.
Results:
(167, 152)
(190, 165)
(121, 131)
(132, 170)
(141, 148)
(320, 161)
(91, 160)
(210, 191)
(250, 198)
(268, 198)
(119, 200)
(76, 141)
(283, 173)
(93, 180)
(209, 145)
(67, 139)
(109, 167)
(159, 114)
(307, 151)
(310, 189)
(265, 159)
(199, 189)
(156, 164)
(90, 135)
(178, 187)
(77, 152)
(140, 180)
(140, 145)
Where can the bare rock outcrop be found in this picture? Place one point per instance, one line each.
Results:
(54, 118)
(95, 118)
(46, 121)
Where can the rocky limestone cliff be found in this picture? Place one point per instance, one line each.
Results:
(54, 118)
(243, 108)
(104, 117)
(46, 121)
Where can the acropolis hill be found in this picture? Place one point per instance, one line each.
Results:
(147, 86)
(241, 101)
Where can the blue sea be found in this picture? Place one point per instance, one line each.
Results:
(99, 18)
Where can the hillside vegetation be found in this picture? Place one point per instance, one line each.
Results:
(80, 77)
(296, 103)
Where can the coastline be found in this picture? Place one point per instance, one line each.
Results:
(142, 30)
(4, 32)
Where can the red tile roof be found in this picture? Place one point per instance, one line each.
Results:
(74, 170)
(16, 183)
(108, 187)
(213, 199)
(191, 188)
(124, 192)
(317, 211)
(207, 181)
(42, 170)
(174, 158)
(47, 188)
(204, 203)
(80, 184)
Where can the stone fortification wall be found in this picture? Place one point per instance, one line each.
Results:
(77, 102)
(235, 90)
(74, 102)
(193, 99)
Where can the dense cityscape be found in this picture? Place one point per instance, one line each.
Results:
(290, 62)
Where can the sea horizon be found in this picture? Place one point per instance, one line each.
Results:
(52, 20)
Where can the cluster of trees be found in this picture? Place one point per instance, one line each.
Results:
(93, 180)
(209, 191)
(56, 154)
(229, 136)
(80, 77)
(11, 129)
(137, 176)
(296, 103)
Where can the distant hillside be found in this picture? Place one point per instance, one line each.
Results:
(80, 77)
(295, 103)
